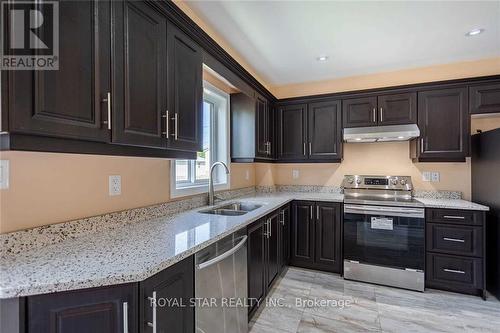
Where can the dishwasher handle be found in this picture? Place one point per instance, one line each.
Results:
(224, 255)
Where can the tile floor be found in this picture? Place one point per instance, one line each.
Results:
(361, 307)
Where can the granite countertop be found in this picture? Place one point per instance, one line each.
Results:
(131, 253)
(139, 250)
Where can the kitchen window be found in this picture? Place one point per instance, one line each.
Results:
(191, 176)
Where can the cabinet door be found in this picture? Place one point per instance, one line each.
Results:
(185, 88)
(302, 230)
(325, 131)
(261, 129)
(67, 102)
(485, 98)
(273, 248)
(175, 282)
(327, 236)
(292, 132)
(285, 236)
(444, 125)
(397, 109)
(97, 310)
(140, 73)
(255, 264)
(359, 112)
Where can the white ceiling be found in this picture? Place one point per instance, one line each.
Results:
(282, 39)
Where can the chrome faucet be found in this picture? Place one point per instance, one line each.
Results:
(211, 181)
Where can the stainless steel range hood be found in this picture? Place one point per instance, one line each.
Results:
(381, 133)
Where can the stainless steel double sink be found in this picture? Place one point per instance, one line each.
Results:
(232, 209)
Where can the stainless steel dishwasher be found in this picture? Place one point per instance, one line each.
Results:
(221, 286)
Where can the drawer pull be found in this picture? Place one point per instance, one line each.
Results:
(454, 240)
(453, 271)
(454, 217)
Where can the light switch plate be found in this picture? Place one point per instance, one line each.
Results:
(115, 185)
(426, 176)
(295, 174)
(435, 177)
(4, 174)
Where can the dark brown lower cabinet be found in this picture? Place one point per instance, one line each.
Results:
(273, 249)
(255, 264)
(98, 310)
(175, 284)
(316, 235)
(284, 236)
(455, 250)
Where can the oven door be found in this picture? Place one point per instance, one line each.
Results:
(386, 236)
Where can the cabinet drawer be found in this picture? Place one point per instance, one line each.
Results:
(455, 216)
(461, 240)
(451, 272)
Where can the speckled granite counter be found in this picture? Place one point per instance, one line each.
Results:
(451, 204)
(136, 251)
(131, 253)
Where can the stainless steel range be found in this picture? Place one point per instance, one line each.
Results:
(383, 231)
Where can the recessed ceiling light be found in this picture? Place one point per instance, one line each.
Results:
(322, 58)
(474, 32)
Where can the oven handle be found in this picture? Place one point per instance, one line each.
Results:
(386, 211)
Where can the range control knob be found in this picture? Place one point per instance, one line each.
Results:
(402, 181)
(394, 182)
(350, 180)
(358, 181)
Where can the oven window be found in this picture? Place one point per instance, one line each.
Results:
(384, 240)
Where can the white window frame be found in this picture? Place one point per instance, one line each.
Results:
(221, 98)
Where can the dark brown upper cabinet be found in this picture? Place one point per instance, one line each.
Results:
(292, 132)
(325, 131)
(185, 87)
(444, 126)
(175, 282)
(397, 109)
(99, 310)
(310, 132)
(485, 98)
(140, 74)
(360, 112)
(67, 103)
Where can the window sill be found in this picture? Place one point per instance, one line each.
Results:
(195, 189)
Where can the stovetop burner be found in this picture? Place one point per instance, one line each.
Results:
(379, 190)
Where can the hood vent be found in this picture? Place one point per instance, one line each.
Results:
(381, 133)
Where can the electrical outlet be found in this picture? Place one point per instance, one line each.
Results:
(426, 176)
(4, 174)
(435, 176)
(115, 185)
(247, 175)
(295, 174)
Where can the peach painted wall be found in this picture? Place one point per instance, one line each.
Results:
(369, 158)
(48, 188)
(485, 123)
(457, 70)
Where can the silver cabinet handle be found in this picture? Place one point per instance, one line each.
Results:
(266, 227)
(224, 255)
(152, 300)
(125, 317)
(453, 271)
(454, 240)
(108, 101)
(421, 145)
(454, 217)
(317, 212)
(311, 211)
(282, 217)
(270, 229)
(310, 148)
(268, 147)
(304, 149)
(167, 121)
(176, 125)
(381, 114)
(374, 115)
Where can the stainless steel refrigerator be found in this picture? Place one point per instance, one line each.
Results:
(486, 190)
